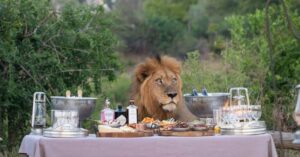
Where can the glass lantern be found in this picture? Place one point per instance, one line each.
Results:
(239, 103)
(38, 119)
(297, 116)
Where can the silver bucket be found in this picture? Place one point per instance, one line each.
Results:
(203, 106)
(84, 105)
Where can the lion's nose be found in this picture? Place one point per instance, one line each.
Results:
(172, 95)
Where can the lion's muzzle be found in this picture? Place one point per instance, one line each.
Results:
(169, 107)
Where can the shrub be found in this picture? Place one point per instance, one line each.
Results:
(250, 53)
(41, 50)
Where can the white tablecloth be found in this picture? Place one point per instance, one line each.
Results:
(156, 146)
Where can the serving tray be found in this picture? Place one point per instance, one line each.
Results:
(187, 133)
(125, 134)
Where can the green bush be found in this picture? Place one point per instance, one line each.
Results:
(118, 91)
(214, 74)
(42, 50)
(249, 53)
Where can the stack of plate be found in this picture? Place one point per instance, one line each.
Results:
(246, 128)
(78, 132)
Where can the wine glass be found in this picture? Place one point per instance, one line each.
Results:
(225, 115)
(249, 113)
(256, 112)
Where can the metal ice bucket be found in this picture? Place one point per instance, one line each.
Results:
(203, 106)
(84, 105)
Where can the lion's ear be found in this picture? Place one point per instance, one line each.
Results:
(141, 72)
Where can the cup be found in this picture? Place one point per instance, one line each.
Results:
(217, 117)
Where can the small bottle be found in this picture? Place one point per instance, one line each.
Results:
(132, 112)
(204, 91)
(121, 115)
(194, 92)
(107, 114)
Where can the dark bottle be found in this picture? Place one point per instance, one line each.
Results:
(204, 91)
(194, 92)
(121, 115)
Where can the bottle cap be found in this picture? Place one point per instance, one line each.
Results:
(79, 93)
(131, 101)
(68, 93)
(107, 102)
(120, 107)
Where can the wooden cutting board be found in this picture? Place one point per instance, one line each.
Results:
(125, 134)
(187, 133)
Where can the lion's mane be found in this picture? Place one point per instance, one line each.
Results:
(144, 89)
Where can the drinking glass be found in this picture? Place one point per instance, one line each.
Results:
(249, 112)
(233, 117)
(256, 112)
(217, 116)
(225, 115)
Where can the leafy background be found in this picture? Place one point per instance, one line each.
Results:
(221, 44)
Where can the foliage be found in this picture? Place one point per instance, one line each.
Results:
(129, 25)
(213, 74)
(173, 9)
(118, 90)
(177, 27)
(42, 50)
(150, 26)
(249, 53)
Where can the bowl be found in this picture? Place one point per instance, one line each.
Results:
(203, 106)
(84, 105)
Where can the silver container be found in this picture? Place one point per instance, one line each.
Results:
(248, 128)
(203, 106)
(79, 132)
(84, 105)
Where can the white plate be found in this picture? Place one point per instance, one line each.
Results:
(180, 129)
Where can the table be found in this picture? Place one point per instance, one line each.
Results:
(205, 146)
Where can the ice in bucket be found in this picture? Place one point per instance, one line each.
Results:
(64, 119)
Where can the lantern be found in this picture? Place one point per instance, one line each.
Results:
(297, 116)
(38, 119)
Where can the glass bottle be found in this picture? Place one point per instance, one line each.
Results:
(204, 91)
(121, 115)
(194, 92)
(132, 112)
(107, 114)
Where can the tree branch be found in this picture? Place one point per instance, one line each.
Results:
(270, 42)
(277, 106)
(28, 73)
(38, 25)
(289, 21)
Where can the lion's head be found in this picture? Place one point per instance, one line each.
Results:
(157, 90)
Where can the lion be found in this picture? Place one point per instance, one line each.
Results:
(157, 89)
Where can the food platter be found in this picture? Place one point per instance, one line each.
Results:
(125, 134)
(151, 127)
(187, 133)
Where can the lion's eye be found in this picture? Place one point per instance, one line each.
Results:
(159, 81)
(174, 80)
